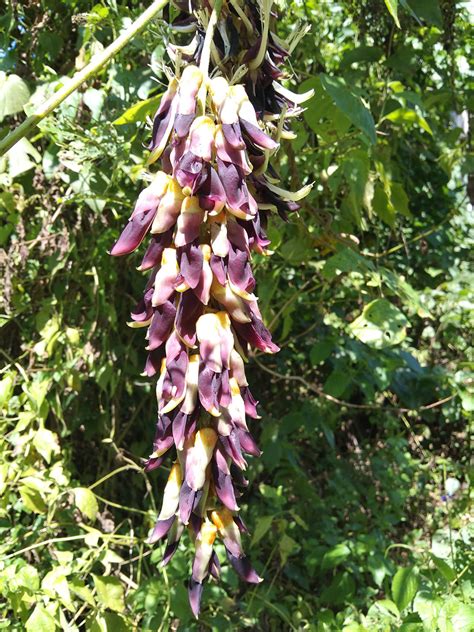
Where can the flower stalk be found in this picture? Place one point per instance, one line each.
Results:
(205, 211)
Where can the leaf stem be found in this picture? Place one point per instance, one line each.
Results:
(96, 63)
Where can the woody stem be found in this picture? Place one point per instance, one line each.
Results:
(96, 63)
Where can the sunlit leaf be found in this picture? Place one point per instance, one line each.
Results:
(392, 6)
(351, 105)
(139, 111)
(14, 94)
(86, 502)
(380, 325)
(110, 592)
(40, 621)
(405, 586)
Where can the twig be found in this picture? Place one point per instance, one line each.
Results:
(340, 402)
(69, 538)
(97, 62)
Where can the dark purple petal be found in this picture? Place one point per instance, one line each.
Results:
(223, 394)
(243, 567)
(211, 192)
(184, 425)
(182, 124)
(166, 164)
(175, 380)
(224, 488)
(233, 182)
(188, 500)
(170, 550)
(179, 429)
(188, 171)
(231, 447)
(153, 464)
(233, 135)
(153, 362)
(208, 384)
(161, 325)
(133, 233)
(195, 594)
(238, 477)
(247, 443)
(239, 270)
(214, 566)
(143, 311)
(256, 334)
(155, 249)
(257, 136)
(237, 235)
(163, 435)
(195, 522)
(161, 529)
(257, 237)
(189, 310)
(160, 126)
(190, 263)
(241, 524)
(218, 268)
(250, 402)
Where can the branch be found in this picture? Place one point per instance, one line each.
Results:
(97, 62)
(340, 402)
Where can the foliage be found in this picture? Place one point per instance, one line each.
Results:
(360, 504)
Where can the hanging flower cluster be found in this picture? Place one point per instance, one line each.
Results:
(205, 210)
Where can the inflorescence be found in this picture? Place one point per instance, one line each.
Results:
(218, 125)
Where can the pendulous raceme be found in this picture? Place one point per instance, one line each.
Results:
(205, 210)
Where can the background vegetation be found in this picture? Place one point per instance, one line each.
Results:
(359, 507)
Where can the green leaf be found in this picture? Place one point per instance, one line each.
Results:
(378, 567)
(321, 351)
(6, 388)
(55, 583)
(399, 199)
(384, 607)
(107, 622)
(287, 546)
(392, 6)
(94, 99)
(337, 382)
(40, 621)
(361, 54)
(380, 325)
(46, 443)
(322, 117)
(32, 499)
(445, 569)
(263, 525)
(27, 576)
(427, 606)
(456, 617)
(138, 112)
(22, 157)
(345, 260)
(382, 206)
(14, 94)
(110, 592)
(335, 556)
(427, 10)
(86, 502)
(339, 590)
(351, 105)
(79, 588)
(404, 586)
(407, 115)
